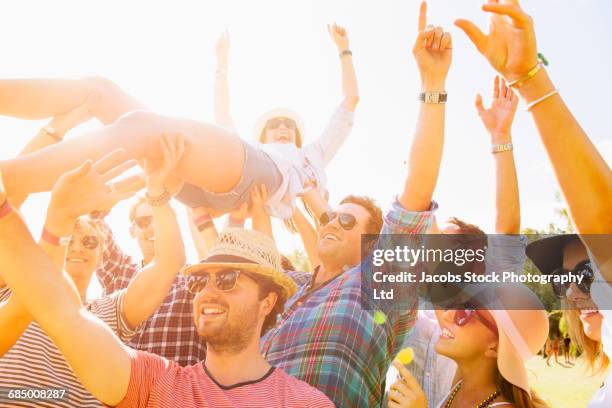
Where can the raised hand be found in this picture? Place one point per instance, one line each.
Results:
(406, 391)
(432, 51)
(510, 46)
(338, 35)
(172, 147)
(222, 49)
(88, 188)
(259, 197)
(499, 116)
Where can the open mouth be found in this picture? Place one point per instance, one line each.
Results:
(209, 311)
(588, 312)
(74, 259)
(330, 236)
(447, 334)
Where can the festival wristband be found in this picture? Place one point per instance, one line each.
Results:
(346, 52)
(205, 225)
(233, 222)
(498, 148)
(5, 209)
(54, 239)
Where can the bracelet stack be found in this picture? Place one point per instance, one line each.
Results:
(160, 200)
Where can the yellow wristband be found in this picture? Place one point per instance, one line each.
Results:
(521, 81)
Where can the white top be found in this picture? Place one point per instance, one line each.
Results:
(495, 404)
(297, 166)
(601, 292)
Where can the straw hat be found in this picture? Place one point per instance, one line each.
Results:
(280, 113)
(247, 250)
(522, 324)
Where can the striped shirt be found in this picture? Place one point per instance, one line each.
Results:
(170, 332)
(158, 382)
(35, 362)
(327, 337)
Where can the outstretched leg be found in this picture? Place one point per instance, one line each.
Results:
(43, 98)
(213, 161)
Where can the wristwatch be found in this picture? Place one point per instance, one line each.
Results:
(433, 97)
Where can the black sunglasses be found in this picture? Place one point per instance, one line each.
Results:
(466, 312)
(88, 241)
(347, 221)
(276, 122)
(582, 269)
(143, 221)
(225, 280)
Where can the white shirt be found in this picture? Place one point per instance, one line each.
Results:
(601, 292)
(299, 165)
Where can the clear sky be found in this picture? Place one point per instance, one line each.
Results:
(281, 55)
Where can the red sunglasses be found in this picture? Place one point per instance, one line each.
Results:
(464, 315)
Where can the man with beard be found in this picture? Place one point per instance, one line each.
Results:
(240, 289)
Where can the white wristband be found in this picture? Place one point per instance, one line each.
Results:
(534, 103)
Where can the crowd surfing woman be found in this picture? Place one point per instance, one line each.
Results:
(490, 340)
(279, 133)
(218, 168)
(583, 310)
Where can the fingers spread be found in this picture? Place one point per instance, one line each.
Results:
(109, 161)
(473, 33)
(519, 18)
(118, 170)
(479, 107)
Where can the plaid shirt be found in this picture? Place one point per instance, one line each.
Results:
(327, 339)
(170, 331)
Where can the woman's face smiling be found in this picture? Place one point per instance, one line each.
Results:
(469, 341)
(574, 253)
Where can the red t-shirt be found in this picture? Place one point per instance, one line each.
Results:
(158, 382)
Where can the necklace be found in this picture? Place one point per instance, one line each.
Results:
(483, 404)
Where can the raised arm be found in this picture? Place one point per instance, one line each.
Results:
(203, 230)
(350, 90)
(96, 355)
(150, 286)
(584, 176)
(498, 121)
(223, 115)
(259, 214)
(432, 51)
(309, 237)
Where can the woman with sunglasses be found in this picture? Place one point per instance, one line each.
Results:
(490, 339)
(218, 168)
(563, 255)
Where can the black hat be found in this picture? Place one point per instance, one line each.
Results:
(547, 253)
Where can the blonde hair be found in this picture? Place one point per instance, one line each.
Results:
(596, 359)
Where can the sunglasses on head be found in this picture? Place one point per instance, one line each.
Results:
(88, 241)
(225, 280)
(347, 221)
(466, 312)
(276, 122)
(582, 269)
(144, 221)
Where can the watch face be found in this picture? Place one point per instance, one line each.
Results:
(432, 97)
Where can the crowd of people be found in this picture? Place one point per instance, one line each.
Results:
(243, 327)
